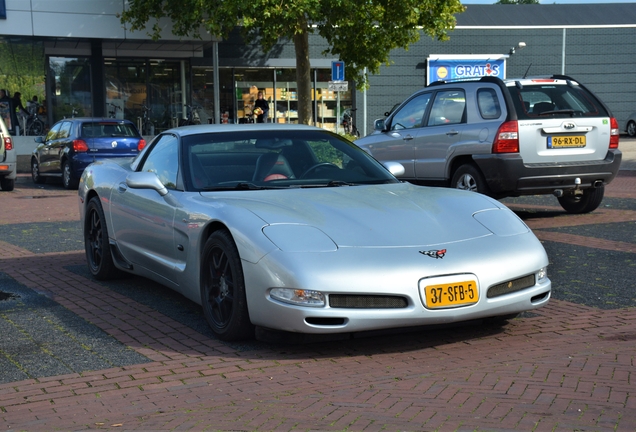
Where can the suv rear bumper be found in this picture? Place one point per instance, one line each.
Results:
(507, 175)
(8, 169)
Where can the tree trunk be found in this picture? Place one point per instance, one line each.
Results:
(303, 77)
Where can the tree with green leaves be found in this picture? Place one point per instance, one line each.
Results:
(360, 33)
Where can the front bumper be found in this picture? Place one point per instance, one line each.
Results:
(508, 175)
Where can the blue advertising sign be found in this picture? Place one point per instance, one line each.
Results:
(447, 69)
(337, 71)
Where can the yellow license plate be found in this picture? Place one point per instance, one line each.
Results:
(451, 294)
(566, 141)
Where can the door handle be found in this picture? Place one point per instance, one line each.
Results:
(407, 137)
(452, 132)
(123, 187)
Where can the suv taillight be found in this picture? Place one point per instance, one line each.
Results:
(614, 133)
(8, 143)
(141, 145)
(80, 146)
(507, 138)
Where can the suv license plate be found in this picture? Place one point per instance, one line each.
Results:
(451, 294)
(566, 141)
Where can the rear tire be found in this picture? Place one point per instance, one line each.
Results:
(468, 177)
(37, 128)
(35, 172)
(7, 184)
(67, 177)
(96, 243)
(588, 202)
(631, 129)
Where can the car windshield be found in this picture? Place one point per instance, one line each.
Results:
(108, 130)
(260, 159)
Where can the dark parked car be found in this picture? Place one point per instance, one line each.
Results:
(72, 144)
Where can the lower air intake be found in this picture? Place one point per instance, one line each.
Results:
(366, 301)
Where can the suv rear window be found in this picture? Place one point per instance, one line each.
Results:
(107, 129)
(550, 100)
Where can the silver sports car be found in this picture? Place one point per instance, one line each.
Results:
(294, 228)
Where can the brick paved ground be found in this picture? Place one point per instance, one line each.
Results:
(565, 367)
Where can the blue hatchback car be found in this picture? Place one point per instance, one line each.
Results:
(72, 144)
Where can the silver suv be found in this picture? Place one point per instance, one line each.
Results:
(529, 136)
(8, 172)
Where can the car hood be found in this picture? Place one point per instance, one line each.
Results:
(395, 215)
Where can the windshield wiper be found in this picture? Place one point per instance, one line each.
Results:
(336, 183)
(238, 186)
(561, 111)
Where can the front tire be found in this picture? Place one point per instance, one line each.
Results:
(468, 177)
(96, 243)
(631, 129)
(585, 203)
(223, 289)
(35, 172)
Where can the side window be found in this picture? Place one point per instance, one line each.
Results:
(53, 132)
(163, 160)
(65, 130)
(411, 115)
(488, 104)
(449, 107)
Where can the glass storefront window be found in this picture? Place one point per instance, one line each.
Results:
(70, 81)
(164, 96)
(286, 96)
(203, 93)
(248, 83)
(125, 82)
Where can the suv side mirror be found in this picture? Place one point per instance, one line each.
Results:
(378, 125)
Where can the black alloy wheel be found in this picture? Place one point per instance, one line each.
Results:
(223, 289)
(96, 243)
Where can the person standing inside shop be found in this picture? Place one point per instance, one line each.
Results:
(21, 113)
(261, 108)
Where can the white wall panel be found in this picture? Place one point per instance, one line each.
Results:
(76, 19)
(77, 25)
(18, 23)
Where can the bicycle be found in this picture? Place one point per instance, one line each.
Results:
(192, 118)
(144, 124)
(347, 123)
(34, 125)
(113, 113)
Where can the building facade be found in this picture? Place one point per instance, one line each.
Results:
(78, 59)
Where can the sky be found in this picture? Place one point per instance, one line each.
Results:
(552, 1)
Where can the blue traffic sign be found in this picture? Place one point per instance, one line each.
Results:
(337, 71)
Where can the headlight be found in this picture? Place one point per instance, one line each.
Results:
(542, 275)
(298, 296)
